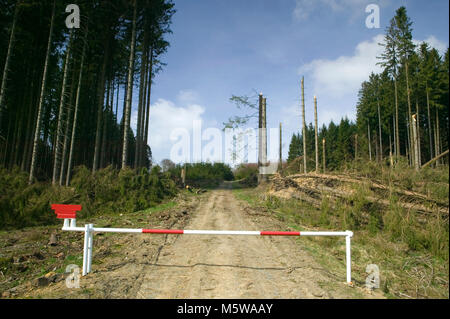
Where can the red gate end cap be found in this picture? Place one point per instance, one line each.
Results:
(66, 211)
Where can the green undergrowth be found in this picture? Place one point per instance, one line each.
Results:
(201, 175)
(106, 191)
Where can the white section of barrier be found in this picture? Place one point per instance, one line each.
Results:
(220, 232)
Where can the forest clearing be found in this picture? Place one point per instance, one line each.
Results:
(101, 105)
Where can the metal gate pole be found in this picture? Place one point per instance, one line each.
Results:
(348, 256)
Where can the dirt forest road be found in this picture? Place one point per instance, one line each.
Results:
(199, 266)
(208, 266)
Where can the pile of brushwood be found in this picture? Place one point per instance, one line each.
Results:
(400, 203)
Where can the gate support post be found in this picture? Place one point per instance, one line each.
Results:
(87, 250)
(348, 256)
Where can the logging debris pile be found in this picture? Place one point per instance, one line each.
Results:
(312, 188)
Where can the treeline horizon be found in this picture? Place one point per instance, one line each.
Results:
(60, 87)
(409, 98)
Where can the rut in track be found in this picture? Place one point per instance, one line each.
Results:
(204, 266)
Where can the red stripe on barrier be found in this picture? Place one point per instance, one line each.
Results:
(163, 231)
(280, 233)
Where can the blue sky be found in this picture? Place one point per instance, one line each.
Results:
(219, 48)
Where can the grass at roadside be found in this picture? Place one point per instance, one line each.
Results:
(407, 270)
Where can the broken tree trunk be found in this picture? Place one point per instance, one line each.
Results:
(435, 159)
(316, 137)
(280, 160)
(304, 125)
(260, 101)
(264, 141)
(323, 155)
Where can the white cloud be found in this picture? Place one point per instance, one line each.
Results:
(187, 96)
(165, 117)
(434, 43)
(345, 74)
(337, 81)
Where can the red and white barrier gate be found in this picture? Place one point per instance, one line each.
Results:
(68, 213)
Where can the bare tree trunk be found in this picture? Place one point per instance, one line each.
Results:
(418, 134)
(408, 145)
(304, 125)
(122, 122)
(323, 155)
(144, 112)
(8, 59)
(29, 130)
(316, 136)
(149, 91)
(415, 142)
(260, 107)
(379, 133)
(397, 138)
(105, 126)
(394, 138)
(75, 115)
(100, 101)
(408, 94)
(117, 101)
(109, 142)
(377, 153)
(129, 90)
(280, 159)
(57, 161)
(369, 141)
(139, 133)
(435, 159)
(41, 100)
(390, 147)
(436, 150)
(438, 141)
(429, 124)
(67, 132)
(356, 146)
(264, 139)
